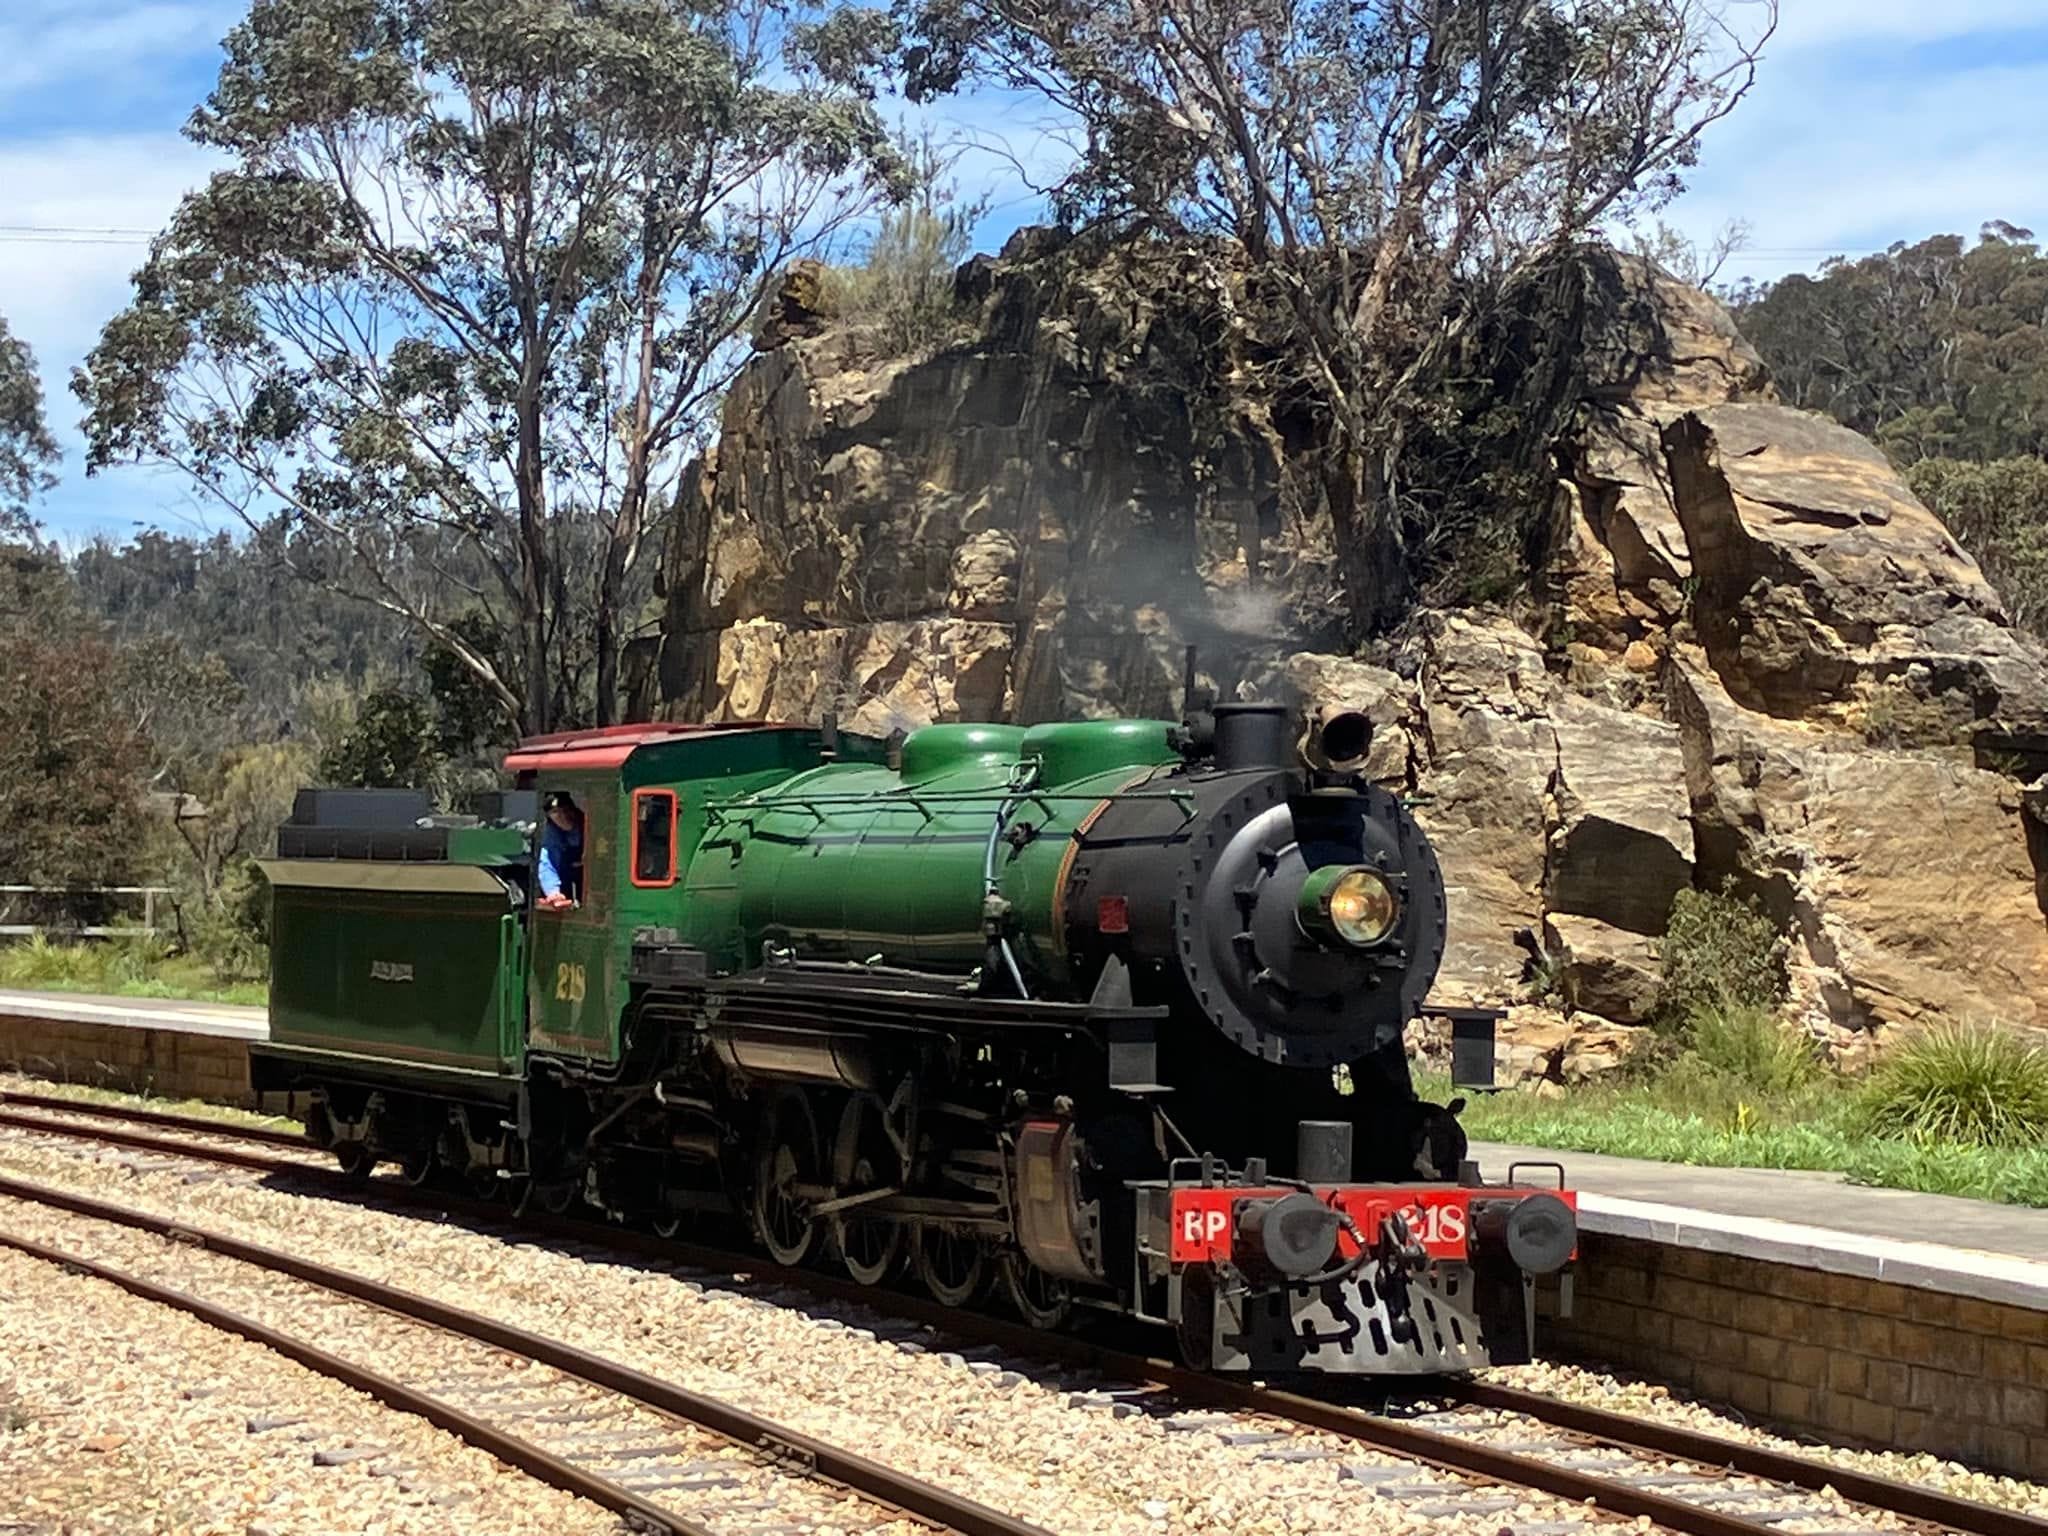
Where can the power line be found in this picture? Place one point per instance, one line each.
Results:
(70, 234)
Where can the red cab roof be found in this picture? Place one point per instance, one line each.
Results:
(607, 746)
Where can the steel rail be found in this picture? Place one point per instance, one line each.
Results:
(1682, 1443)
(1446, 1451)
(142, 1141)
(262, 1134)
(510, 1449)
(883, 1485)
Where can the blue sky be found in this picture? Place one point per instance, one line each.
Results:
(1873, 121)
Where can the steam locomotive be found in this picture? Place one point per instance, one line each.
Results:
(1104, 1013)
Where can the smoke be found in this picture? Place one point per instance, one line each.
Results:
(1250, 614)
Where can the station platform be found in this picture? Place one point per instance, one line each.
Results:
(151, 1045)
(1814, 1220)
(139, 1012)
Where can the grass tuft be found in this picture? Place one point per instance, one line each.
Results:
(1974, 1087)
(1752, 1046)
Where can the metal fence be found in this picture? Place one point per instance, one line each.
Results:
(80, 910)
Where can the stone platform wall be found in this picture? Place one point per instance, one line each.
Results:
(162, 1062)
(1856, 1360)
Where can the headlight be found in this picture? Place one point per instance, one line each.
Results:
(1353, 906)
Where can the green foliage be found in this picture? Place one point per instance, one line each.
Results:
(391, 745)
(1897, 718)
(231, 932)
(256, 615)
(1975, 1086)
(1935, 349)
(1722, 958)
(1998, 511)
(26, 448)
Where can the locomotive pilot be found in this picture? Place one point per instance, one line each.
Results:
(561, 853)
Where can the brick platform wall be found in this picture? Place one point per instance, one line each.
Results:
(1856, 1361)
(163, 1062)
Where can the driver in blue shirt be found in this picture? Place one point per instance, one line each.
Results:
(561, 853)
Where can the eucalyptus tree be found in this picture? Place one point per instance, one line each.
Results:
(473, 278)
(1363, 178)
(26, 448)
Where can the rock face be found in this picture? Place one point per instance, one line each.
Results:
(1761, 660)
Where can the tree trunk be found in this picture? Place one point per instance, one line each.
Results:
(534, 564)
(625, 530)
(1377, 584)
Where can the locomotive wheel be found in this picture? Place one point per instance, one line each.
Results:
(355, 1159)
(1195, 1329)
(787, 1157)
(416, 1168)
(1043, 1301)
(666, 1227)
(864, 1158)
(951, 1265)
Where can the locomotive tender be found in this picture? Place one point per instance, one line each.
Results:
(1104, 1013)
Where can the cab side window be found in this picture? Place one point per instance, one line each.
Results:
(654, 837)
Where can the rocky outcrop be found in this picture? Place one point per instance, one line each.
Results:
(1755, 657)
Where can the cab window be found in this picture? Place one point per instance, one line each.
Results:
(654, 837)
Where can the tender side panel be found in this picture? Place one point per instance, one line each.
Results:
(398, 962)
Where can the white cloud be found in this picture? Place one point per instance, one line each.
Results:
(46, 43)
(1834, 23)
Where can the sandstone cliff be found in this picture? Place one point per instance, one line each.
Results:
(1753, 655)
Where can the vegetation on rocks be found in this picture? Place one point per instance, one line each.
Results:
(1723, 962)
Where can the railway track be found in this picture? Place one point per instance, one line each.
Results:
(665, 1459)
(1467, 1443)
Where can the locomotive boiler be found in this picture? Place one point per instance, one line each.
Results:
(1101, 1012)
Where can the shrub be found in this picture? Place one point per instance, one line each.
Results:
(1977, 1086)
(232, 932)
(1721, 955)
(1754, 1047)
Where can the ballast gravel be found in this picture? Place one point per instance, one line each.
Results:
(1649, 1400)
(121, 1415)
(1037, 1443)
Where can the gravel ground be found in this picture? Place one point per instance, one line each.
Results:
(117, 1414)
(1025, 1441)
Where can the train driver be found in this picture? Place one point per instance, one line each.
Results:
(561, 854)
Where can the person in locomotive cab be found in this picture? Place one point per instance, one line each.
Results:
(561, 854)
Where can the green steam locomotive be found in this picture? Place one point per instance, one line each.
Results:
(1103, 1013)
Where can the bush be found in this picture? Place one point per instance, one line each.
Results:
(232, 932)
(1979, 1087)
(1753, 1047)
(1722, 955)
